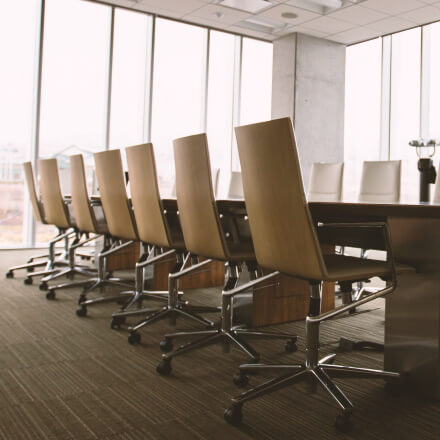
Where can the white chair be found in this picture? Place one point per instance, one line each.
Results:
(235, 187)
(436, 198)
(380, 181)
(325, 184)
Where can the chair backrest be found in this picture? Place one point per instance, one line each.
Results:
(37, 206)
(145, 195)
(235, 189)
(54, 207)
(282, 229)
(195, 198)
(84, 215)
(325, 184)
(215, 172)
(380, 181)
(436, 198)
(111, 182)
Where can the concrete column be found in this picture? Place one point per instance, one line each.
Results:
(308, 86)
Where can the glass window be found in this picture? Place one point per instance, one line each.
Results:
(18, 51)
(434, 85)
(256, 81)
(405, 107)
(256, 85)
(362, 111)
(74, 84)
(221, 101)
(131, 54)
(178, 90)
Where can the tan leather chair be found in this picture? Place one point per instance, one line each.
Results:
(56, 213)
(380, 181)
(163, 239)
(38, 212)
(285, 241)
(204, 237)
(89, 219)
(120, 226)
(325, 184)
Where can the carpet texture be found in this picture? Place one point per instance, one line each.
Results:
(64, 377)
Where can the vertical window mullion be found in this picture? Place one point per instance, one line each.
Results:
(149, 79)
(236, 93)
(385, 117)
(35, 141)
(109, 80)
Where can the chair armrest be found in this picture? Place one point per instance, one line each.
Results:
(381, 293)
(250, 284)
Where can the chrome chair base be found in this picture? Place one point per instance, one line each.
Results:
(320, 374)
(220, 335)
(171, 312)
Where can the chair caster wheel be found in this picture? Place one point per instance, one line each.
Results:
(30, 269)
(50, 294)
(117, 321)
(164, 368)
(9, 274)
(28, 281)
(343, 423)
(134, 338)
(43, 286)
(233, 415)
(352, 311)
(81, 299)
(166, 345)
(240, 379)
(81, 312)
(290, 346)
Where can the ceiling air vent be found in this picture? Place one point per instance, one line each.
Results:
(251, 6)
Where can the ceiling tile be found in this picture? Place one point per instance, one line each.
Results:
(358, 15)
(422, 15)
(391, 24)
(354, 35)
(328, 25)
(220, 14)
(393, 7)
(275, 14)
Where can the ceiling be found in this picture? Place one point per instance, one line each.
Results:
(344, 21)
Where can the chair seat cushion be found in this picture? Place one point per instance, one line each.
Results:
(345, 268)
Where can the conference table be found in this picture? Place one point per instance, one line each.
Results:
(412, 311)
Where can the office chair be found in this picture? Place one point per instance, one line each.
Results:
(205, 237)
(325, 184)
(285, 241)
(56, 213)
(120, 223)
(436, 197)
(163, 238)
(47, 260)
(235, 187)
(89, 219)
(380, 181)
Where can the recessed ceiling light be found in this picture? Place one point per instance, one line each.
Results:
(219, 14)
(251, 6)
(290, 15)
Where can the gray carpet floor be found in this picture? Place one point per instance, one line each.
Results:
(64, 377)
